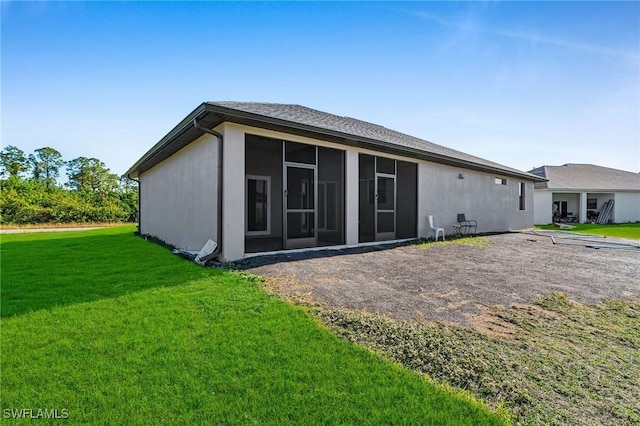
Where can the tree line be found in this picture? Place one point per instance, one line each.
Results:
(30, 192)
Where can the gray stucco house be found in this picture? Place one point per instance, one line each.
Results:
(262, 177)
(579, 192)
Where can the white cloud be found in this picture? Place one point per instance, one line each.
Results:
(470, 24)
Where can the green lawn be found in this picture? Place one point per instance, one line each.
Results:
(116, 330)
(622, 230)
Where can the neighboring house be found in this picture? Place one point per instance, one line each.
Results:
(580, 192)
(294, 177)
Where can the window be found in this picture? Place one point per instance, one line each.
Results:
(521, 196)
(258, 220)
(592, 203)
(500, 181)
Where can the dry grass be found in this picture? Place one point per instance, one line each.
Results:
(554, 362)
(480, 242)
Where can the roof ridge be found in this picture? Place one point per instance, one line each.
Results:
(355, 127)
(589, 165)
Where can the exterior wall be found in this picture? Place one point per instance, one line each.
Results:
(542, 207)
(626, 207)
(440, 192)
(494, 206)
(178, 197)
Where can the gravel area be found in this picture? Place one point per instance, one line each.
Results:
(453, 282)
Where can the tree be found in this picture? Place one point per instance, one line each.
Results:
(36, 171)
(13, 161)
(93, 193)
(46, 164)
(128, 194)
(91, 176)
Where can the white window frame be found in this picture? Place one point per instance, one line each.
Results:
(246, 201)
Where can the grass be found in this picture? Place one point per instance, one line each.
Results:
(480, 242)
(554, 362)
(42, 270)
(116, 330)
(53, 225)
(622, 230)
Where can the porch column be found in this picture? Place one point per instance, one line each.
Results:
(582, 217)
(233, 193)
(352, 197)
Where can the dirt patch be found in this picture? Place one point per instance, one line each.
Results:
(291, 286)
(549, 332)
(553, 362)
(452, 282)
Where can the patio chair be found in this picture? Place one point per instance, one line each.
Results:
(464, 226)
(433, 224)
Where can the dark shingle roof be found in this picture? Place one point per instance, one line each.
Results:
(297, 119)
(587, 177)
(353, 127)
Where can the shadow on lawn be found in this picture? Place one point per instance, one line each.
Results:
(50, 270)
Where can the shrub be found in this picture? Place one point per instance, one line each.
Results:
(29, 201)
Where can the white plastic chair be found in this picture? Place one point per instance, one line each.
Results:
(433, 223)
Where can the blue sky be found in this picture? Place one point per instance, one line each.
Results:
(522, 84)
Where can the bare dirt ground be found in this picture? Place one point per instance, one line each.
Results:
(452, 282)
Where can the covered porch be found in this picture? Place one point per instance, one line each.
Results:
(580, 207)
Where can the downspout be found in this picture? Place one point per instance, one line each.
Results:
(197, 125)
(139, 215)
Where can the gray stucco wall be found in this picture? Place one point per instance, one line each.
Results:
(626, 207)
(494, 206)
(178, 197)
(542, 207)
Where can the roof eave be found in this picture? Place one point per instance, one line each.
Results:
(348, 139)
(163, 149)
(166, 141)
